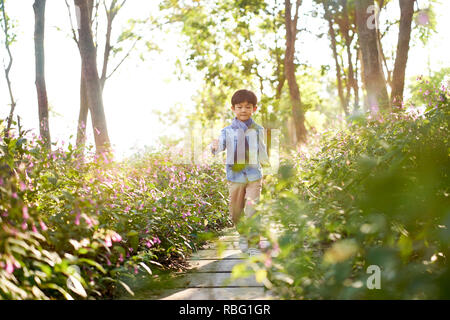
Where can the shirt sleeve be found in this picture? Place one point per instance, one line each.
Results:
(222, 143)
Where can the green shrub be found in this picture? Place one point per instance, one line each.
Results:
(73, 229)
(374, 194)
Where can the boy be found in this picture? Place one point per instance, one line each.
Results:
(246, 151)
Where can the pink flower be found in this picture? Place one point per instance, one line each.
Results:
(43, 226)
(23, 186)
(24, 225)
(25, 214)
(120, 257)
(154, 209)
(33, 227)
(186, 214)
(156, 240)
(108, 242)
(9, 266)
(88, 221)
(77, 219)
(116, 238)
(14, 195)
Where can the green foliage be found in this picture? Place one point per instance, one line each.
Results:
(424, 90)
(376, 193)
(71, 229)
(227, 42)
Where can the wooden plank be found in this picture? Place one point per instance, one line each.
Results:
(213, 254)
(211, 265)
(229, 238)
(216, 294)
(230, 244)
(207, 280)
(233, 245)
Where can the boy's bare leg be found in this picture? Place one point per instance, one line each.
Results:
(252, 194)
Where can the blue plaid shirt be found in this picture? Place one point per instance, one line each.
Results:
(246, 151)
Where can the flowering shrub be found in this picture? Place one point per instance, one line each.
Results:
(376, 194)
(72, 229)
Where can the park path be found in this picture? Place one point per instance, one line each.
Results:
(209, 274)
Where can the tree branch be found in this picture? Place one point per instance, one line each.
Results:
(123, 59)
(74, 34)
(8, 68)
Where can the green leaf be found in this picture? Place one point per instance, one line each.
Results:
(75, 285)
(93, 263)
(127, 288)
(146, 267)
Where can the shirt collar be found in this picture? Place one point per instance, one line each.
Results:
(244, 125)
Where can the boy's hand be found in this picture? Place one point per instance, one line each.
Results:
(215, 145)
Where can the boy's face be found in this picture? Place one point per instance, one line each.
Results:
(243, 110)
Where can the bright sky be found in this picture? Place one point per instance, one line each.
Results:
(139, 88)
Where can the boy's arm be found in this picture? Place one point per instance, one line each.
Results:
(219, 145)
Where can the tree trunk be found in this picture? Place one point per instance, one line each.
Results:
(363, 81)
(373, 73)
(289, 69)
(352, 81)
(332, 35)
(93, 87)
(356, 84)
(39, 27)
(401, 59)
(84, 108)
(82, 118)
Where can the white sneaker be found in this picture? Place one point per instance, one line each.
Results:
(243, 244)
(254, 252)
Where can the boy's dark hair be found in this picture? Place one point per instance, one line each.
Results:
(244, 96)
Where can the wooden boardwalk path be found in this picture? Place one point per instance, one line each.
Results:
(209, 276)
